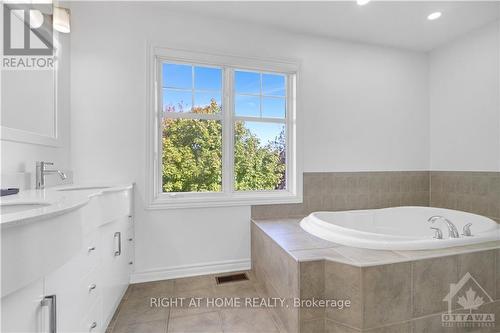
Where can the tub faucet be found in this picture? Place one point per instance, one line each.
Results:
(41, 172)
(452, 229)
(467, 231)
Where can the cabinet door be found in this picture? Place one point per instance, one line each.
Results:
(75, 284)
(22, 310)
(115, 267)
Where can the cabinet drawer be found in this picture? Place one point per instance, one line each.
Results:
(91, 215)
(89, 289)
(69, 276)
(90, 254)
(115, 205)
(74, 299)
(92, 320)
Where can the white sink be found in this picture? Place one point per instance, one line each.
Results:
(83, 188)
(15, 207)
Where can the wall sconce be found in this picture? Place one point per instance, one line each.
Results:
(61, 18)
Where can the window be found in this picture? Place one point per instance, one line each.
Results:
(223, 131)
(191, 128)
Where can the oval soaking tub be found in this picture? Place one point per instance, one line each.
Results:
(399, 228)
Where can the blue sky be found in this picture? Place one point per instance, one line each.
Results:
(178, 84)
(265, 131)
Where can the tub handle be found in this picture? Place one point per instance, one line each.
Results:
(466, 230)
(438, 234)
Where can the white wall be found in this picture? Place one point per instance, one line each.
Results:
(20, 157)
(464, 85)
(363, 108)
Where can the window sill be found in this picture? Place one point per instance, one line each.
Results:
(168, 202)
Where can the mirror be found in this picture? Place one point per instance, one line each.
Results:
(28, 101)
(28, 84)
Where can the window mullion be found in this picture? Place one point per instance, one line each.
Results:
(192, 88)
(260, 96)
(158, 151)
(227, 135)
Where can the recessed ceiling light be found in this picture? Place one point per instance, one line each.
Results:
(434, 16)
(362, 2)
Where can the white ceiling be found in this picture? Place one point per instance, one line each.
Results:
(401, 24)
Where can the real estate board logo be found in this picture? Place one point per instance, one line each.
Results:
(27, 36)
(466, 303)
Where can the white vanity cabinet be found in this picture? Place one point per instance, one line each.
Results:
(21, 310)
(115, 268)
(90, 285)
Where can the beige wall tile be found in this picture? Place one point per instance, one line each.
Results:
(397, 328)
(301, 241)
(293, 271)
(343, 282)
(386, 294)
(312, 326)
(497, 269)
(333, 327)
(366, 257)
(482, 266)
(475, 192)
(431, 283)
(319, 254)
(493, 308)
(335, 191)
(277, 273)
(312, 285)
(280, 226)
(431, 324)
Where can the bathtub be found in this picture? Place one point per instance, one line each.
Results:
(398, 228)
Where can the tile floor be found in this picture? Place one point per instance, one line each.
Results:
(135, 315)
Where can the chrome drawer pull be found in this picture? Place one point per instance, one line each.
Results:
(51, 301)
(118, 238)
(92, 326)
(92, 287)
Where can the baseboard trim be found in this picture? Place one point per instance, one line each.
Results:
(190, 270)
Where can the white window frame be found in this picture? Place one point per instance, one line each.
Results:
(156, 198)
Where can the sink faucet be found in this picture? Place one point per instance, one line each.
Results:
(41, 172)
(452, 229)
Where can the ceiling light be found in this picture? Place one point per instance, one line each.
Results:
(362, 2)
(61, 19)
(434, 16)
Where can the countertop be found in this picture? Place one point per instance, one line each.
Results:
(60, 201)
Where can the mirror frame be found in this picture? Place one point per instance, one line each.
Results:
(19, 135)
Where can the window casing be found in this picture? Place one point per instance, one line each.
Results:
(228, 195)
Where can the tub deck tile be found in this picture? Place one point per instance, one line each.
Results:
(302, 246)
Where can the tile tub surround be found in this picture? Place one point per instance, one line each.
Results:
(390, 291)
(475, 192)
(336, 191)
